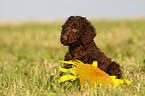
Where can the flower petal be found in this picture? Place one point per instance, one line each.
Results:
(66, 78)
(72, 70)
(95, 63)
(63, 69)
(78, 62)
(117, 82)
(68, 62)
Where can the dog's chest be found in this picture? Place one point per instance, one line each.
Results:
(78, 52)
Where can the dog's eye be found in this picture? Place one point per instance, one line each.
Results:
(75, 29)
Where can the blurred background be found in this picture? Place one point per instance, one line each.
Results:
(61, 9)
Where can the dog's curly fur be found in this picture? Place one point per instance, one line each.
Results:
(78, 34)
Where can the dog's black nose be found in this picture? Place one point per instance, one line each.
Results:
(64, 37)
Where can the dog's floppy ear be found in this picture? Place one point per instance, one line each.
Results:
(88, 32)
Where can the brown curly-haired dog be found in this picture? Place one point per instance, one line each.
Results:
(78, 34)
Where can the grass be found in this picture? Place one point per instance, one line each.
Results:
(30, 51)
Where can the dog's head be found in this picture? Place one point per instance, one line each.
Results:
(77, 30)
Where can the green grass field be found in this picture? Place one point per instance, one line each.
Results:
(30, 54)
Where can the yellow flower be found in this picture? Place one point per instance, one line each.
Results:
(89, 74)
(66, 78)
